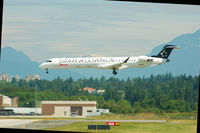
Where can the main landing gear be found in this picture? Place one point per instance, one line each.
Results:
(114, 72)
(47, 71)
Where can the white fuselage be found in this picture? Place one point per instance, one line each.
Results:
(116, 63)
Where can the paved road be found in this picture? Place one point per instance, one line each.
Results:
(42, 124)
(9, 123)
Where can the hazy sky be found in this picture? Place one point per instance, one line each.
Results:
(70, 28)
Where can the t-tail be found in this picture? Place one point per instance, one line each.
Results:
(167, 49)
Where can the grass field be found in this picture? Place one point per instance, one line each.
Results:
(138, 116)
(182, 126)
(176, 123)
(147, 116)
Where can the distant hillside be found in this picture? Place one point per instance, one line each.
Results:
(186, 59)
(183, 61)
(17, 63)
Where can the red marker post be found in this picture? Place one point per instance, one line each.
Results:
(113, 123)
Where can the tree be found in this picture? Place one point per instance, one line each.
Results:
(124, 106)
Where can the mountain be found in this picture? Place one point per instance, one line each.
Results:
(183, 61)
(17, 63)
(186, 59)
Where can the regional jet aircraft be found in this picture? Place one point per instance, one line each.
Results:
(113, 63)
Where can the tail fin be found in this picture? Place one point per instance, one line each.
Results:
(166, 51)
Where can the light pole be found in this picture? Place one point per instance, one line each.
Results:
(36, 97)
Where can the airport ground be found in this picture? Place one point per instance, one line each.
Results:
(138, 123)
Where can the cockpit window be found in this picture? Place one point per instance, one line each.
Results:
(49, 61)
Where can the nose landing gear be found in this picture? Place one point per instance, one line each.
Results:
(114, 72)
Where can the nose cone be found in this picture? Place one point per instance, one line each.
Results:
(42, 65)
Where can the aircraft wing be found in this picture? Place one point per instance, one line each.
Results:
(116, 66)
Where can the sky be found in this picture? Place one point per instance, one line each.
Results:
(43, 29)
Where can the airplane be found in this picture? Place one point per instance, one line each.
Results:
(113, 63)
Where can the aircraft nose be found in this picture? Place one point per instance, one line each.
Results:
(42, 65)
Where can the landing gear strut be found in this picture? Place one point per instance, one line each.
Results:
(47, 71)
(114, 72)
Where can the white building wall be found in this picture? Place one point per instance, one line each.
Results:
(66, 111)
(62, 111)
(93, 113)
(93, 109)
(103, 111)
(7, 101)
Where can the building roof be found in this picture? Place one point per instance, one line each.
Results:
(89, 89)
(69, 102)
(4, 96)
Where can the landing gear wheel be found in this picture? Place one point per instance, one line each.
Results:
(114, 72)
(47, 71)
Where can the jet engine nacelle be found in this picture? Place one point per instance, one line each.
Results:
(143, 58)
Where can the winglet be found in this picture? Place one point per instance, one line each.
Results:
(126, 60)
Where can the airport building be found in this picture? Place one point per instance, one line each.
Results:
(68, 108)
(6, 101)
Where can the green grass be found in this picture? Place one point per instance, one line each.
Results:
(138, 116)
(176, 123)
(146, 116)
(179, 116)
(131, 127)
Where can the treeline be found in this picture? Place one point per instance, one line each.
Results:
(161, 93)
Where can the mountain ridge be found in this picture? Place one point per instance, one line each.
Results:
(183, 61)
(23, 66)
